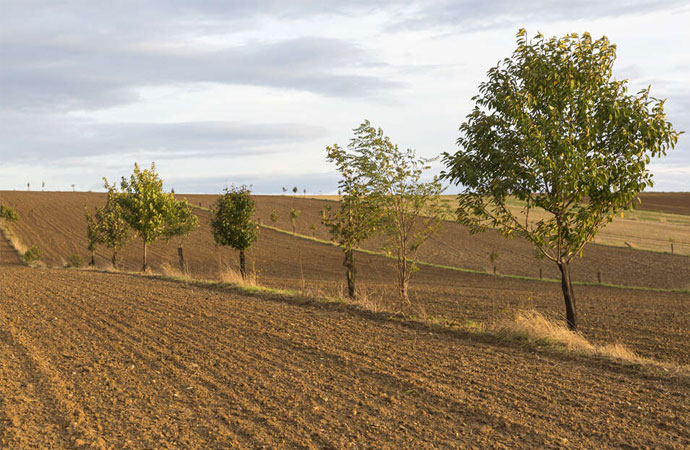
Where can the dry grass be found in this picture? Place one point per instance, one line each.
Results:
(232, 276)
(13, 239)
(537, 329)
(173, 271)
(371, 301)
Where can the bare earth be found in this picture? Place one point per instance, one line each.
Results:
(107, 360)
(94, 360)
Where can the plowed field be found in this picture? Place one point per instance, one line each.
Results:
(654, 324)
(98, 360)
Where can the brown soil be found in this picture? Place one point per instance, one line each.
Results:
(98, 360)
(668, 202)
(55, 222)
(655, 324)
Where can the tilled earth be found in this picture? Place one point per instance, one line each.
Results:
(98, 360)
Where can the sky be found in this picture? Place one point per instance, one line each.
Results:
(252, 92)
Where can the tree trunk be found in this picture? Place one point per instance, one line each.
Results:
(568, 295)
(114, 260)
(403, 281)
(243, 265)
(93, 258)
(144, 264)
(350, 272)
(180, 254)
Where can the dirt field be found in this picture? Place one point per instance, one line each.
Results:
(55, 222)
(96, 360)
(655, 324)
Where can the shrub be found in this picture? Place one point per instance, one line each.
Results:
(34, 253)
(75, 261)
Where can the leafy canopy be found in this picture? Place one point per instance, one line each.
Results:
(107, 226)
(552, 128)
(358, 215)
(232, 221)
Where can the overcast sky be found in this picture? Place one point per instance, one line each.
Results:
(248, 92)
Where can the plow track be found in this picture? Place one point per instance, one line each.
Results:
(97, 360)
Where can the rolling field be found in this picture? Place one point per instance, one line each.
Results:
(93, 359)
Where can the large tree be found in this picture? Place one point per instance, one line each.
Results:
(552, 128)
(357, 215)
(233, 221)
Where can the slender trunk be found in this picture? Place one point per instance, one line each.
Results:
(144, 264)
(243, 265)
(568, 295)
(180, 254)
(350, 272)
(93, 258)
(403, 280)
(114, 260)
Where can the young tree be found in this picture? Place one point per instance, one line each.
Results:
(358, 213)
(108, 227)
(274, 217)
(553, 128)
(294, 215)
(181, 222)
(145, 207)
(412, 210)
(312, 228)
(93, 236)
(233, 224)
(294, 190)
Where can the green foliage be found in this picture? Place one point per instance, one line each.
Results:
(8, 213)
(294, 190)
(34, 253)
(145, 207)
(388, 186)
(232, 223)
(108, 225)
(552, 128)
(75, 261)
(180, 219)
(274, 217)
(148, 210)
(358, 214)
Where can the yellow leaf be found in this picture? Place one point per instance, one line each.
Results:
(622, 215)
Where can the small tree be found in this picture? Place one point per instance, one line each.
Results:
(274, 217)
(294, 215)
(295, 190)
(552, 128)
(411, 209)
(284, 190)
(232, 223)
(312, 227)
(145, 207)
(357, 216)
(107, 226)
(493, 258)
(181, 222)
